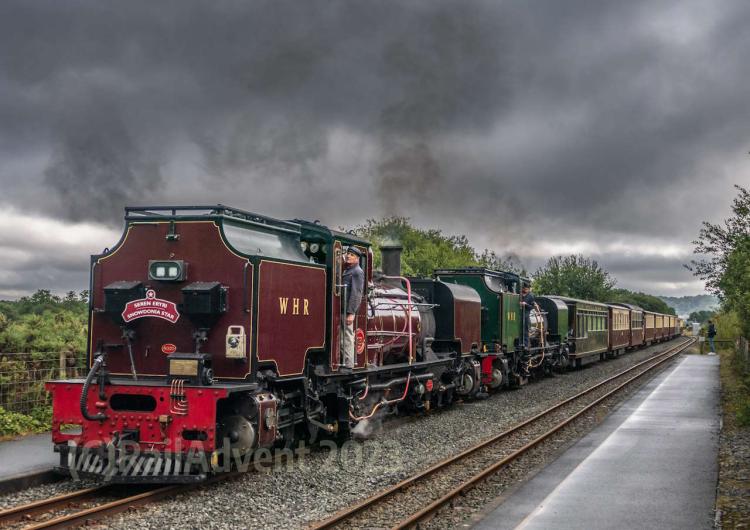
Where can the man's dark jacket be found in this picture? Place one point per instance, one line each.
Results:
(711, 330)
(530, 300)
(354, 280)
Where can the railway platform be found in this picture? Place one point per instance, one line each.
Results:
(651, 464)
(28, 456)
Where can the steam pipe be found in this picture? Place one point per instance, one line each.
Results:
(380, 404)
(100, 416)
(399, 380)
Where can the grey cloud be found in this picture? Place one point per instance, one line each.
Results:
(505, 121)
(98, 167)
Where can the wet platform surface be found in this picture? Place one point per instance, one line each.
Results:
(28, 454)
(651, 464)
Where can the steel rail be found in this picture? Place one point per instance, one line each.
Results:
(349, 512)
(103, 510)
(110, 508)
(32, 508)
(107, 509)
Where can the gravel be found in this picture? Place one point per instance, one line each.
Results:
(318, 484)
(43, 491)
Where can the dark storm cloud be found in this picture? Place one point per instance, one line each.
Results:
(97, 167)
(509, 121)
(257, 87)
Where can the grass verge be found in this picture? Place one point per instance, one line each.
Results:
(733, 493)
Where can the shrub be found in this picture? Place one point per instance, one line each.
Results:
(15, 423)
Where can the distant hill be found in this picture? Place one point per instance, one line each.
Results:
(684, 305)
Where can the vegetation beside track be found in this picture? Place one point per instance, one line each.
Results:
(38, 334)
(733, 493)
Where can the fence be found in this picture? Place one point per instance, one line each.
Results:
(22, 377)
(742, 354)
(719, 343)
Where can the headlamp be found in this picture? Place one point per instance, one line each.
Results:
(167, 271)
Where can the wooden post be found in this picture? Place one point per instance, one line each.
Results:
(63, 366)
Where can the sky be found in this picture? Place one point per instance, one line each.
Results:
(535, 128)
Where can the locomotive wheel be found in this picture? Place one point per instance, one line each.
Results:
(467, 384)
(239, 431)
(497, 378)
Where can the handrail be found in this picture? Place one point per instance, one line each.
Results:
(245, 289)
(137, 212)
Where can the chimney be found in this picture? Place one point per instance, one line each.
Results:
(391, 254)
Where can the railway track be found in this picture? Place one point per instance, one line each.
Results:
(88, 505)
(421, 496)
(82, 506)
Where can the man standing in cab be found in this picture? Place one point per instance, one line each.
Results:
(354, 284)
(528, 302)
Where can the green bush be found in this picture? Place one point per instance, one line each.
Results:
(727, 325)
(741, 398)
(743, 414)
(15, 423)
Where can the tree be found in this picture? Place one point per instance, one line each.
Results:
(44, 322)
(700, 316)
(644, 301)
(491, 260)
(726, 266)
(426, 249)
(717, 242)
(574, 276)
(735, 283)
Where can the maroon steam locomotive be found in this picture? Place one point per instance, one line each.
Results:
(215, 331)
